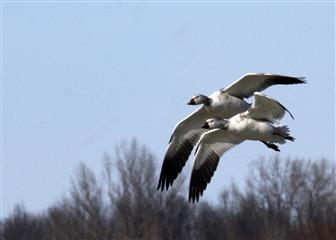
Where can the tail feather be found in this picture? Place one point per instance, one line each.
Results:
(284, 132)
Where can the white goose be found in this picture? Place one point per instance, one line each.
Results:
(223, 103)
(253, 124)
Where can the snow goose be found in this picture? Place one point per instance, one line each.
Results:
(223, 103)
(253, 124)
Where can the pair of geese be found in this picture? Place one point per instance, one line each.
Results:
(224, 121)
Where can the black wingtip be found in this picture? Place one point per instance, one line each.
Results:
(297, 80)
(159, 186)
(302, 79)
(201, 177)
(190, 198)
(173, 164)
(284, 80)
(289, 113)
(193, 199)
(286, 110)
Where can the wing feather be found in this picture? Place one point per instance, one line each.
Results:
(185, 135)
(267, 109)
(256, 82)
(211, 147)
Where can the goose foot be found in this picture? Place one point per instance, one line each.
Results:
(272, 146)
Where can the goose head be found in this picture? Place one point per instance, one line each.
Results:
(212, 123)
(199, 99)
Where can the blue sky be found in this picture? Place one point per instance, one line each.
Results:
(80, 77)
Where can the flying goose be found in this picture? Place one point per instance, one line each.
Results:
(253, 124)
(223, 103)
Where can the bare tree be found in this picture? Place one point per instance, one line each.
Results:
(139, 210)
(24, 226)
(80, 216)
(283, 199)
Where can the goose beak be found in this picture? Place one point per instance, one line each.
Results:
(205, 125)
(191, 102)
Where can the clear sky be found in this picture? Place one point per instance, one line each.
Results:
(80, 77)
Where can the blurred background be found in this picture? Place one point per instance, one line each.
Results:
(79, 78)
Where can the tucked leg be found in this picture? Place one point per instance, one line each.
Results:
(271, 145)
(290, 138)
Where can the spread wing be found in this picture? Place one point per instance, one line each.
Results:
(184, 137)
(210, 148)
(256, 82)
(267, 109)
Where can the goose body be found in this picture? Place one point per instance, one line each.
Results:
(223, 103)
(251, 129)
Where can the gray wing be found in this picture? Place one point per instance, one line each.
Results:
(256, 82)
(185, 135)
(211, 146)
(267, 109)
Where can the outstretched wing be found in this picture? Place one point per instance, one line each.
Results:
(184, 137)
(211, 146)
(267, 109)
(256, 82)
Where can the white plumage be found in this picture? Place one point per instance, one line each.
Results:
(253, 124)
(223, 103)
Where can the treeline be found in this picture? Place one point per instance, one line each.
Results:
(283, 199)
